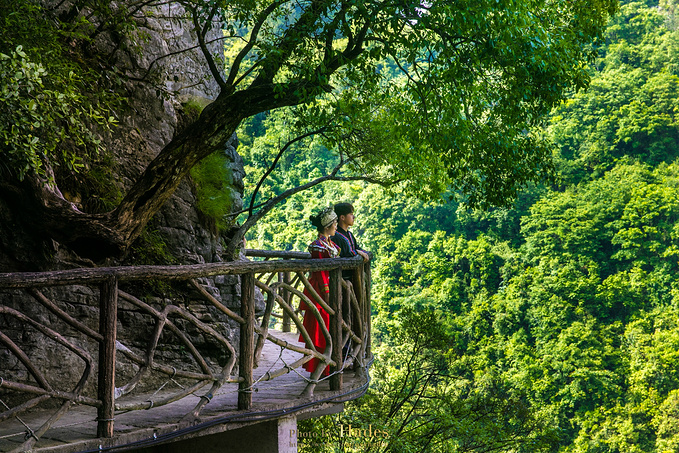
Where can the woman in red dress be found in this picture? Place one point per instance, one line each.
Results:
(323, 247)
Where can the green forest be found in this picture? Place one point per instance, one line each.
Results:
(524, 289)
(548, 325)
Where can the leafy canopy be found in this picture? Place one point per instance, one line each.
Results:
(630, 107)
(436, 95)
(569, 314)
(48, 110)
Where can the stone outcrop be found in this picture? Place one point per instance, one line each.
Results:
(171, 79)
(174, 78)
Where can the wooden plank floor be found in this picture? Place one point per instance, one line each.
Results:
(76, 431)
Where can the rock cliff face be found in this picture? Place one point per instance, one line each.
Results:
(171, 79)
(174, 78)
(167, 82)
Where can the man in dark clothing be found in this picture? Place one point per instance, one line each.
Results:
(343, 237)
(348, 249)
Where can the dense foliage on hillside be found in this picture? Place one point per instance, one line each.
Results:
(471, 75)
(550, 326)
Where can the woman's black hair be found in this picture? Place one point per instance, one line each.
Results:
(343, 209)
(316, 221)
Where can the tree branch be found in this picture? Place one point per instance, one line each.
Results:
(176, 52)
(275, 161)
(407, 417)
(210, 16)
(269, 205)
(235, 67)
(290, 40)
(353, 49)
(203, 47)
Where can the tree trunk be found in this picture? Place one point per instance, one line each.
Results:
(98, 236)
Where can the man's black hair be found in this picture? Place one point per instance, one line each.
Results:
(343, 209)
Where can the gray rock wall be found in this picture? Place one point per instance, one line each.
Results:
(172, 78)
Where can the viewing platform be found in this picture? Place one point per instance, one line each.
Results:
(174, 393)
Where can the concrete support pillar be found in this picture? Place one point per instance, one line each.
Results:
(273, 436)
(287, 435)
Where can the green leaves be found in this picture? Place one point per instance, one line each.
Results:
(50, 120)
(630, 108)
(570, 319)
(560, 317)
(20, 95)
(443, 95)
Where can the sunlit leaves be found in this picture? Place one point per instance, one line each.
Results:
(42, 127)
(630, 108)
(52, 114)
(561, 316)
(465, 87)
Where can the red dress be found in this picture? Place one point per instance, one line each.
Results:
(320, 248)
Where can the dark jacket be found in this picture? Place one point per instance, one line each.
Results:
(348, 246)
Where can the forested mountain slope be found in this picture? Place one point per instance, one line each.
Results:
(550, 326)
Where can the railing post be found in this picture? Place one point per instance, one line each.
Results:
(359, 292)
(286, 297)
(335, 302)
(108, 318)
(247, 332)
(368, 307)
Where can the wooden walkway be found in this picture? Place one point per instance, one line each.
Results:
(76, 431)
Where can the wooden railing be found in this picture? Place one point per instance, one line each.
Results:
(281, 281)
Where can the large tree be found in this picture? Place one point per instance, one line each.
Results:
(434, 95)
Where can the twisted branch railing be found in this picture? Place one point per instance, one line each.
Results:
(281, 281)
